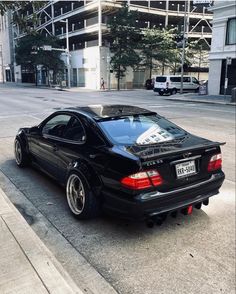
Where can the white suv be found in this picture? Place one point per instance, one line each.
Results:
(171, 84)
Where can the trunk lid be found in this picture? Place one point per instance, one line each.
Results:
(180, 162)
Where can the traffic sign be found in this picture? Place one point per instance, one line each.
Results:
(229, 60)
(202, 2)
(47, 47)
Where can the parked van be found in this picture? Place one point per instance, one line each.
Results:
(171, 84)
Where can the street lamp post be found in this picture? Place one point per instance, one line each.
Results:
(67, 51)
(1, 56)
(228, 62)
(108, 69)
(183, 46)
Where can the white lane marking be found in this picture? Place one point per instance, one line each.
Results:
(35, 117)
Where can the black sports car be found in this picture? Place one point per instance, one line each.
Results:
(126, 160)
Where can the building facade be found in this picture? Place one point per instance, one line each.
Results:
(89, 36)
(6, 50)
(222, 74)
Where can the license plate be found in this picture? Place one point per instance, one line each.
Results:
(185, 169)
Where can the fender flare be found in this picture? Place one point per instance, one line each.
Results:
(89, 174)
(23, 138)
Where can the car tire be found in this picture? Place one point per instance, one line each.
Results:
(80, 198)
(174, 91)
(21, 156)
(161, 93)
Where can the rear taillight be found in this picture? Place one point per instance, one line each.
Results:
(215, 162)
(142, 180)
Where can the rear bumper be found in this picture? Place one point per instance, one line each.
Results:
(163, 90)
(147, 205)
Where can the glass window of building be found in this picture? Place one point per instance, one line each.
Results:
(231, 32)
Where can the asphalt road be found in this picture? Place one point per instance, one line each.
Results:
(193, 254)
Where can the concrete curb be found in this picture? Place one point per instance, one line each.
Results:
(201, 101)
(31, 267)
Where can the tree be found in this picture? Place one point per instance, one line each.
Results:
(157, 48)
(150, 48)
(196, 54)
(19, 9)
(198, 51)
(125, 37)
(11, 5)
(163, 48)
(29, 53)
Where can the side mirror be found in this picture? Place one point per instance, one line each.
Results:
(35, 130)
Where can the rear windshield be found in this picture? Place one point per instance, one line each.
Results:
(160, 79)
(140, 130)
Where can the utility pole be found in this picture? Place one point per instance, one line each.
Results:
(99, 44)
(183, 45)
(200, 62)
(67, 51)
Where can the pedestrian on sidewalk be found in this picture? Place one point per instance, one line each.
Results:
(102, 84)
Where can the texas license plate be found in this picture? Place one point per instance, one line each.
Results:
(185, 169)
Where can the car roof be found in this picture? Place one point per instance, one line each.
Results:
(101, 112)
(178, 76)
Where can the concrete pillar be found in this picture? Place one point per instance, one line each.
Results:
(52, 15)
(187, 23)
(167, 16)
(214, 77)
(99, 42)
(99, 23)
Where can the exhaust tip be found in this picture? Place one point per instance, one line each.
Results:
(174, 214)
(198, 206)
(150, 223)
(206, 202)
(159, 221)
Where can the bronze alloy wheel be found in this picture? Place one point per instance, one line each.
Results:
(18, 152)
(75, 194)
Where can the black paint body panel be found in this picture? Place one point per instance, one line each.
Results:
(106, 164)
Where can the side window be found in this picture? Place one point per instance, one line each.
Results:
(56, 125)
(195, 81)
(74, 131)
(186, 80)
(175, 79)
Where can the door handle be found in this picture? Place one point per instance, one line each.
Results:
(54, 148)
(93, 156)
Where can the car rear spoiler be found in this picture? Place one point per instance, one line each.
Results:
(157, 152)
(124, 115)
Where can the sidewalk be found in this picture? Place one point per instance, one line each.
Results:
(210, 99)
(54, 87)
(26, 265)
